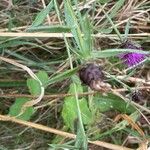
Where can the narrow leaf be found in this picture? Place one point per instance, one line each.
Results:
(75, 28)
(114, 52)
(51, 29)
(62, 76)
(42, 15)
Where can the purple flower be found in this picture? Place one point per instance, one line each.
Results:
(132, 58)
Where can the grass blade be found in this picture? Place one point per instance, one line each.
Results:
(115, 52)
(75, 29)
(42, 15)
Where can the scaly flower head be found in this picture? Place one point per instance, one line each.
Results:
(93, 76)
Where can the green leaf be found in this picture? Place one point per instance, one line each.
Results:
(42, 15)
(103, 1)
(69, 112)
(117, 6)
(34, 86)
(75, 29)
(114, 52)
(43, 76)
(73, 24)
(10, 83)
(17, 42)
(127, 28)
(87, 31)
(15, 109)
(29, 62)
(81, 141)
(112, 102)
(51, 29)
(85, 112)
(62, 76)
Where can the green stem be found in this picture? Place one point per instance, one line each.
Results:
(77, 100)
(75, 88)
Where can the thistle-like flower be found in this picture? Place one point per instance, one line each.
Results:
(133, 58)
(93, 76)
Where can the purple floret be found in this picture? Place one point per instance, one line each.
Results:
(132, 58)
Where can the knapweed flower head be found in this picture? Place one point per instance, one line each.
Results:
(132, 58)
(93, 76)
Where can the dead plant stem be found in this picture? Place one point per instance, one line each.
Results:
(61, 133)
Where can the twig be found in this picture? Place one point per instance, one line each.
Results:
(61, 133)
(62, 95)
(134, 80)
(45, 96)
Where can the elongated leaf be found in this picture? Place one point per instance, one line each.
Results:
(114, 52)
(13, 53)
(62, 76)
(51, 29)
(103, 1)
(29, 62)
(12, 83)
(87, 31)
(75, 29)
(42, 15)
(127, 28)
(73, 24)
(17, 42)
